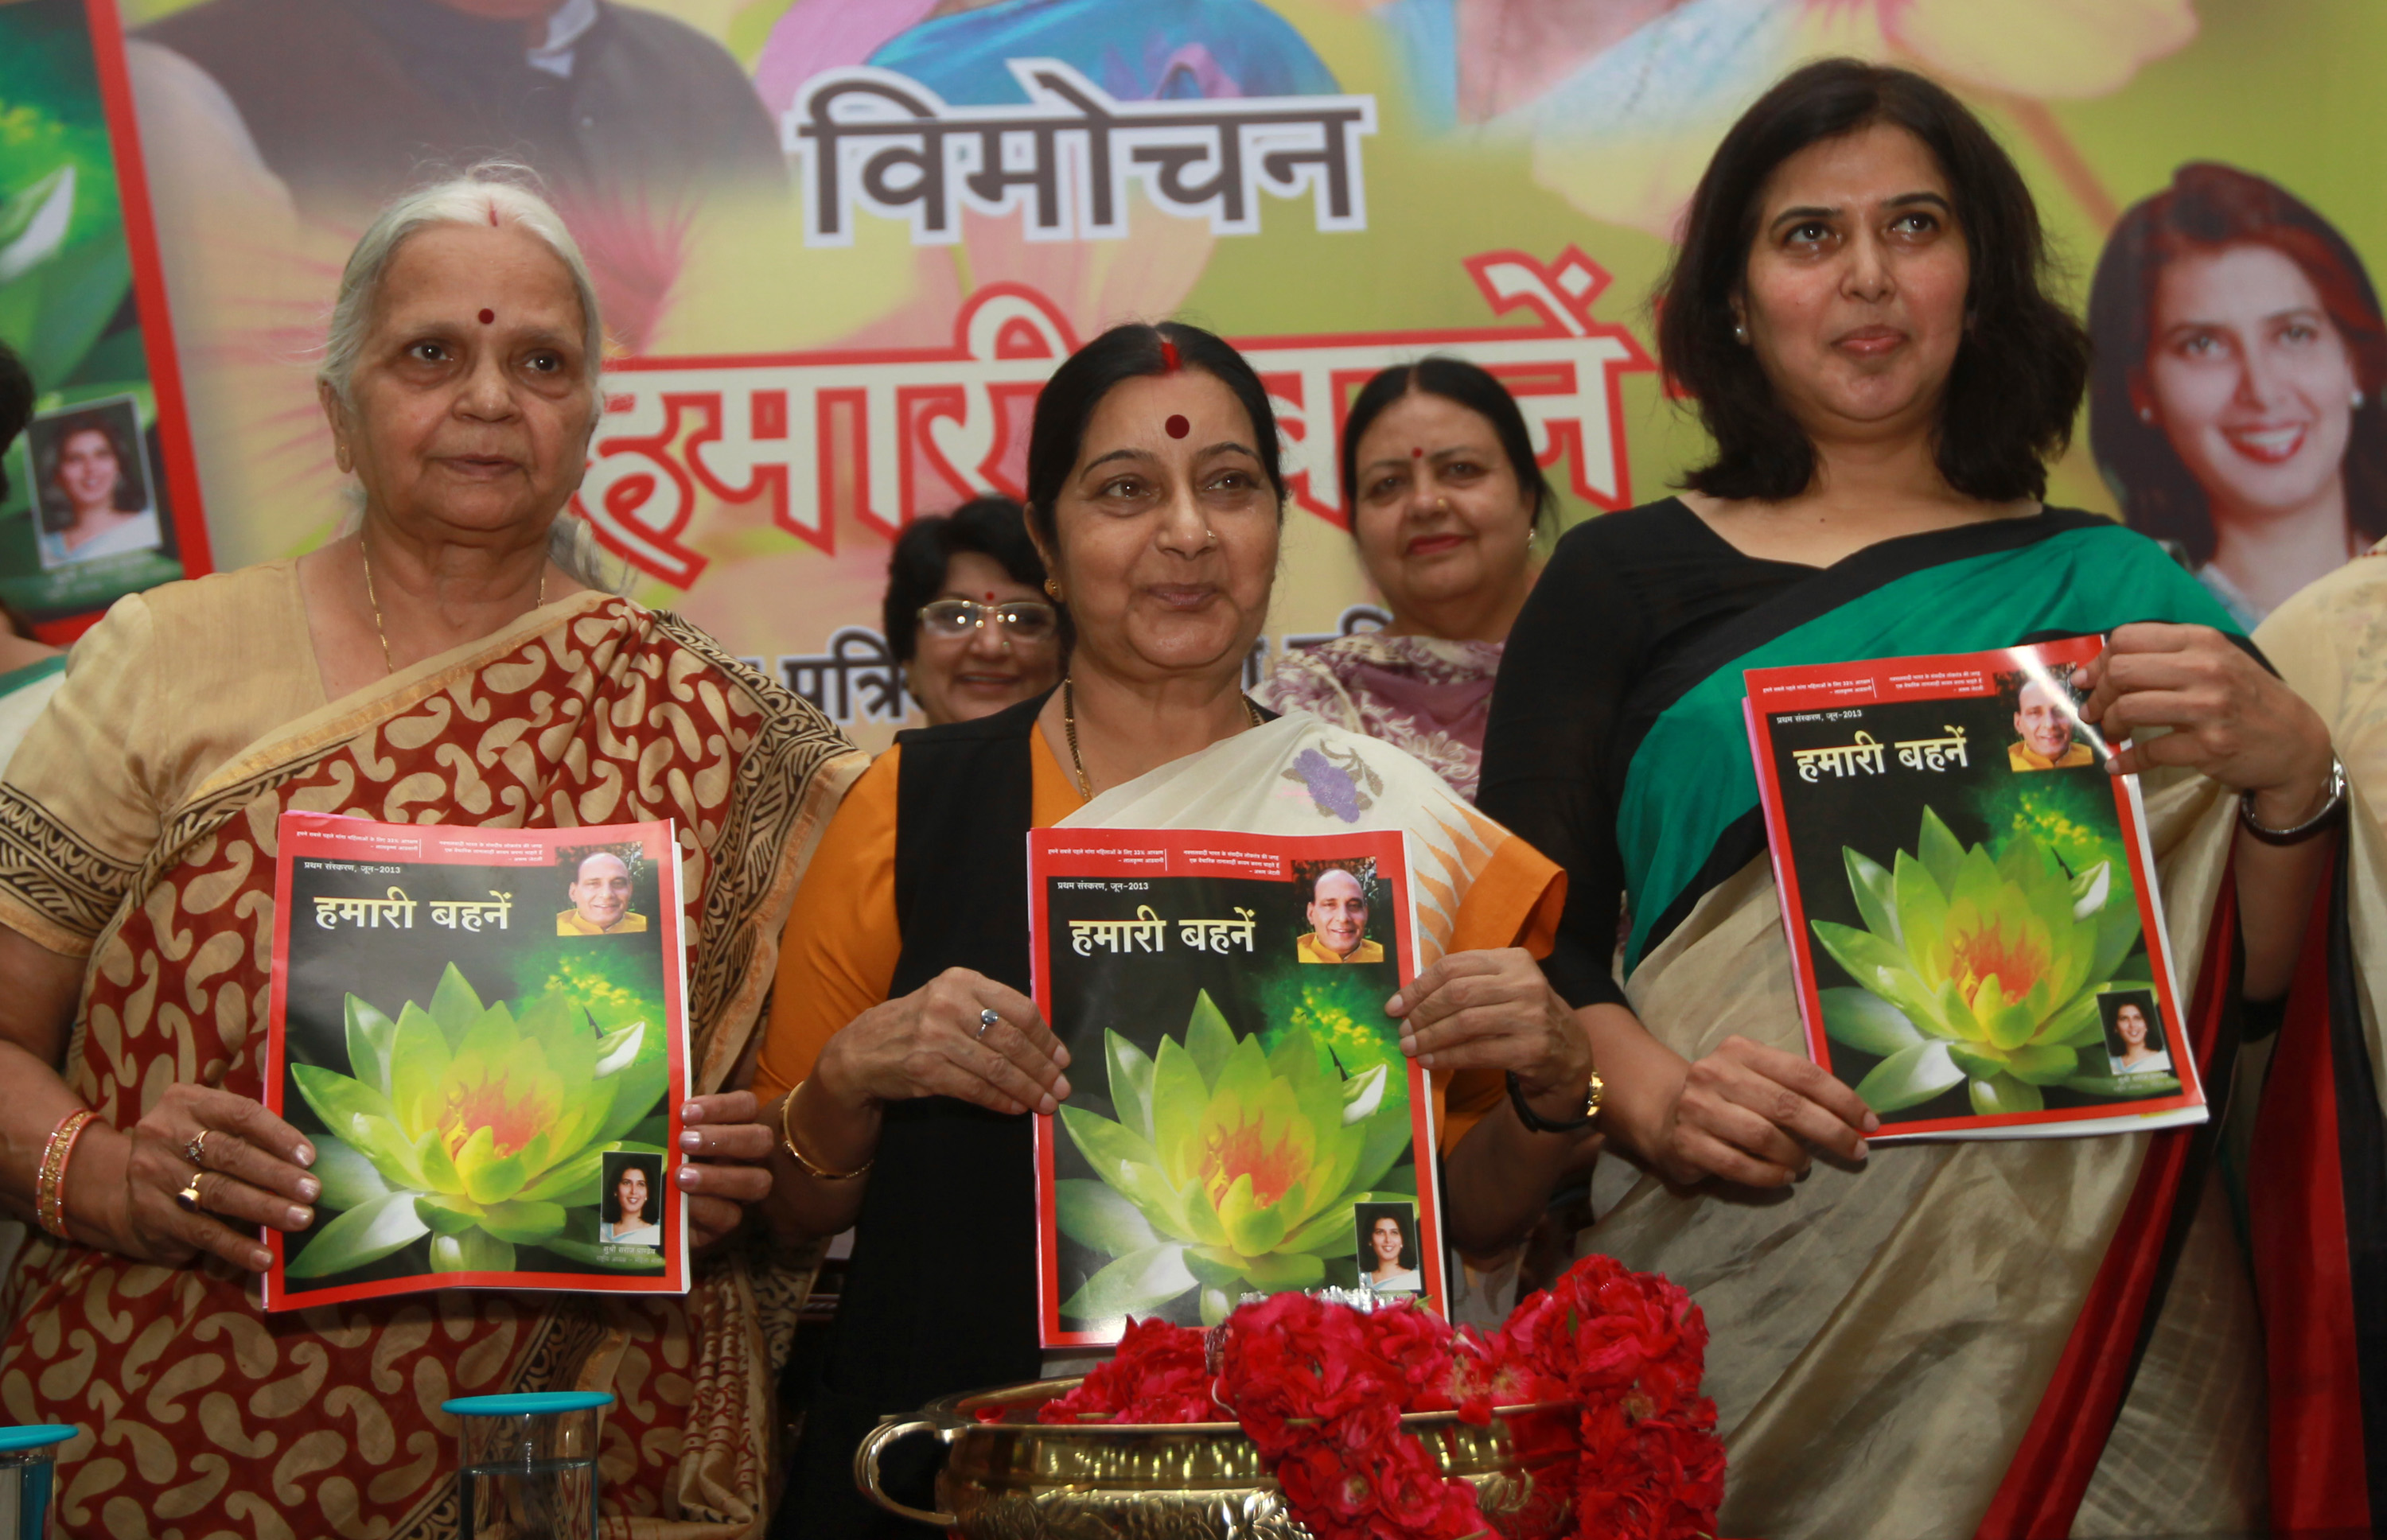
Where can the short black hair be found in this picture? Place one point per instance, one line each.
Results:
(1136, 351)
(991, 527)
(1473, 386)
(15, 404)
(2018, 375)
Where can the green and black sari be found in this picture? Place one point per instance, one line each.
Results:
(2020, 1338)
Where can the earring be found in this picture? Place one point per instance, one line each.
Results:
(1739, 333)
(2147, 414)
(2358, 397)
(1053, 591)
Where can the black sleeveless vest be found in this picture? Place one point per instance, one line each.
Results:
(940, 1295)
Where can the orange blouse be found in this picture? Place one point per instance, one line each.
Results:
(837, 956)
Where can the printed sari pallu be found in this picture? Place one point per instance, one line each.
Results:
(2019, 1338)
(199, 1415)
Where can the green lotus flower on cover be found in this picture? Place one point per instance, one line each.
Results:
(483, 1131)
(1231, 1168)
(1981, 969)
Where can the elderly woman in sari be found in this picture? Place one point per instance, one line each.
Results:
(903, 1053)
(1446, 495)
(437, 664)
(1860, 309)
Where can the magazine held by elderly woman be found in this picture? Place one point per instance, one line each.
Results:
(493, 1083)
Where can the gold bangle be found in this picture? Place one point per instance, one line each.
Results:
(788, 1142)
(50, 1187)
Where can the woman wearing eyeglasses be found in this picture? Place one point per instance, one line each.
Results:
(966, 613)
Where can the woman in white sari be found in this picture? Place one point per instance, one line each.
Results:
(904, 1043)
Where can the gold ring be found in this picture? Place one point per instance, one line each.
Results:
(196, 1150)
(187, 1200)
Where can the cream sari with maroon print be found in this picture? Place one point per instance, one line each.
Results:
(137, 829)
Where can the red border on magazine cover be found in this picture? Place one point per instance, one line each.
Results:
(182, 467)
(330, 834)
(1888, 681)
(1056, 853)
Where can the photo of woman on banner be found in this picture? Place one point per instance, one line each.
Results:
(600, 887)
(2237, 409)
(1388, 1259)
(2134, 1040)
(1863, 311)
(1338, 918)
(634, 1199)
(2046, 721)
(90, 484)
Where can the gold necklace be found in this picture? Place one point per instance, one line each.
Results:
(374, 600)
(1069, 726)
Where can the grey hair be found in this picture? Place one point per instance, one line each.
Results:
(492, 192)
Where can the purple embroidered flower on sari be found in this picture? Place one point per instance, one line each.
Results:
(1331, 786)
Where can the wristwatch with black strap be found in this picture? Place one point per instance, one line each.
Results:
(1593, 1091)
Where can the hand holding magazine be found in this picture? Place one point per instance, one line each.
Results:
(1975, 926)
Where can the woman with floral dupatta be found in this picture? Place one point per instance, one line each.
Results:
(903, 1053)
(1997, 1338)
(436, 665)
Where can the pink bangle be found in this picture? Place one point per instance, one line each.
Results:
(50, 1189)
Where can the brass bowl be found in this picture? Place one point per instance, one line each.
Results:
(1024, 1480)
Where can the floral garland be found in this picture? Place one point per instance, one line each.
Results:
(1320, 1387)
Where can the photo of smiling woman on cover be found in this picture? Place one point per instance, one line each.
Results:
(1388, 1263)
(633, 1214)
(2236, 410)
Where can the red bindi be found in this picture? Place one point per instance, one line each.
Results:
(488, 316)
(1417, 454)
(1178, 427)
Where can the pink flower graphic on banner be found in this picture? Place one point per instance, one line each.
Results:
(1624, 116)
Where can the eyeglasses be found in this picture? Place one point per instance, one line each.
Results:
(1023, 620)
